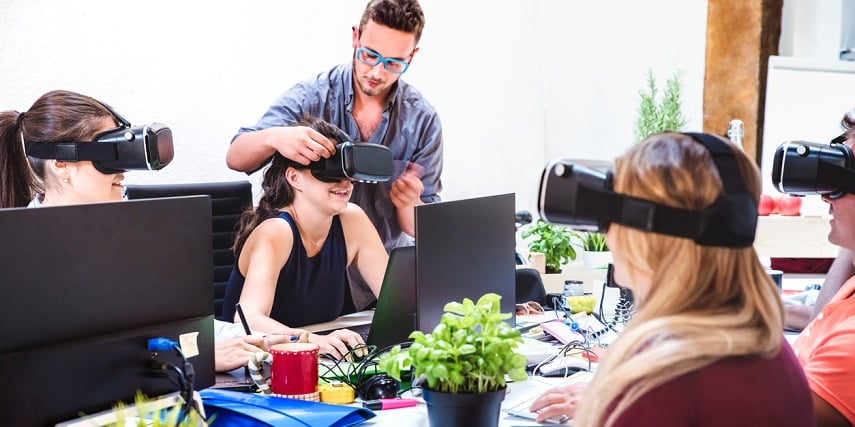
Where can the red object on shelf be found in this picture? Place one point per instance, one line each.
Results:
(767, 205)
(790, 205)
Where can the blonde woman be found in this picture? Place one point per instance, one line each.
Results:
(706, 345)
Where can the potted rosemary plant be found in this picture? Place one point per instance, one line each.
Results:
(464, 362)
(657, 114)
(554, 241)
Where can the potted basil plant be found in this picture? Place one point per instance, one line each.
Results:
(464, 362)
(554, 241)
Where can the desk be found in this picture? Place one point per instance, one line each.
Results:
(517, 392)
(417, 416)
(343, 322)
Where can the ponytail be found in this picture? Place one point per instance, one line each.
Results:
(18, 185)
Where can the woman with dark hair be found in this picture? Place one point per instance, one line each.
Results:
(293, 251)
(57, 116)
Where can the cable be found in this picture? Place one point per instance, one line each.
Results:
(364, 375)
(185, 374)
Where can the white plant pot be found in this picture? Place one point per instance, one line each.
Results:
(596, 260)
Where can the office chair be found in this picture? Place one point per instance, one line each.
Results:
(529, 286)
(228, 200)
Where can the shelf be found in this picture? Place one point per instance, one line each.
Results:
(794, 237)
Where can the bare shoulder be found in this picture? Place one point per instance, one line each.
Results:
(353, 214)
(272, 232)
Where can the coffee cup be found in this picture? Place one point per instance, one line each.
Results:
(293, 370)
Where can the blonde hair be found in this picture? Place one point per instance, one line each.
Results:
(705, 303)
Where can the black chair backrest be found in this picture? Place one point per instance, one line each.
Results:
(228, 201)
(529, 286)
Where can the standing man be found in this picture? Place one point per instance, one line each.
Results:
(367, 99)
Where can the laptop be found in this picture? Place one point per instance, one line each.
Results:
(395, 314)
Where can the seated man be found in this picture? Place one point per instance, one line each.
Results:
(826, 345)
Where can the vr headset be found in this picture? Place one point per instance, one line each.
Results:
(363, 162)
(580, 194)
(803, 168)
(126, 147)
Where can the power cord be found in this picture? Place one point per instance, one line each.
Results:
(184, 374)
(363, 373)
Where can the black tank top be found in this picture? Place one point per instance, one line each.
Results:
(310, 289)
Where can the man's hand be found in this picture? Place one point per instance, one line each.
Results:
(302, 144)
(407, 189)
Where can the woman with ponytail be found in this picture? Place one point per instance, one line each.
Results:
(706, 346)
(293, 251)
(57, 116)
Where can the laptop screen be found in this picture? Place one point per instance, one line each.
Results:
(395, 316)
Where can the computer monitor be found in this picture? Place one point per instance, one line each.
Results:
(85, 287)
(464, 249)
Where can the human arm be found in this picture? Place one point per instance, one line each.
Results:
(250, 150)
(797, 316)
(558, 401)
(840, 271)
(827, 415)
(264, 254)
(364, 248)
(405, 194)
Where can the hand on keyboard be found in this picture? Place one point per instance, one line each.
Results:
(338, 343)
(559, 402)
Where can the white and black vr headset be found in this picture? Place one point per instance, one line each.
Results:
(355, 161)
(127, 147)
(802, 168)
(581, 196)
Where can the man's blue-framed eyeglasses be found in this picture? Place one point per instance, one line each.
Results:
(372, 58)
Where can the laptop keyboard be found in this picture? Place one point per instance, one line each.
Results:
(521, 408)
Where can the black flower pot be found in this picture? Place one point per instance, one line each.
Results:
(464, 409)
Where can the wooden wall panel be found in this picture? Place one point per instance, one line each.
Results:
(741, 35)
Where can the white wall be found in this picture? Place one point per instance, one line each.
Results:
(516, 82)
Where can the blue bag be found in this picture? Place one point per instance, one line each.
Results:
(231, 408)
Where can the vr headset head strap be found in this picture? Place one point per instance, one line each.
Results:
(72, 151)
(730, 221)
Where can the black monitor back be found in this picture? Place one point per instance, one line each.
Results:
(464, 249)
(85, 287)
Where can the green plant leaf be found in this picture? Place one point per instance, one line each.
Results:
(470, 351)
(660, 115)
(555, 242)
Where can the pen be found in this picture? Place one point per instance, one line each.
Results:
(243, 320)
(389, 403)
